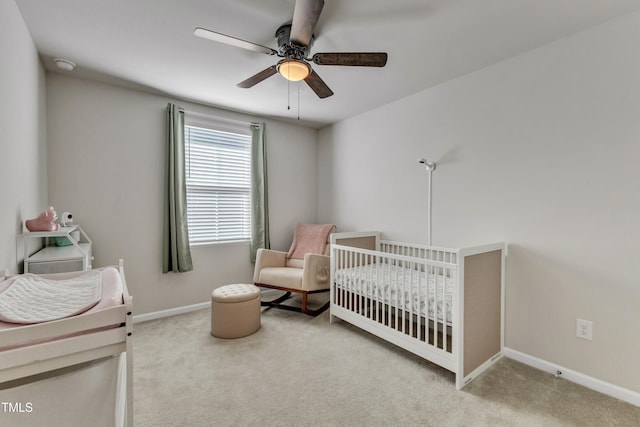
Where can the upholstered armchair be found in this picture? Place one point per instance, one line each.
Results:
(303, 270)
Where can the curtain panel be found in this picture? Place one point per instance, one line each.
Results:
(176, 253)
(259, 198)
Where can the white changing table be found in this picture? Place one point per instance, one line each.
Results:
(58, 259)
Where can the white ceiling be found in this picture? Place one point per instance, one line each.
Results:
(150, 44)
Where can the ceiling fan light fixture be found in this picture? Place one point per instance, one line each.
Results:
(294, 69)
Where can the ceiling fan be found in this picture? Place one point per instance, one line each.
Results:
(294, 45)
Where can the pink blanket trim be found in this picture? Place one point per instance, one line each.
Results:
(309, 238)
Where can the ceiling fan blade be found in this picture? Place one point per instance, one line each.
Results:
(232, 41)
(305, 18)
(257, 78)
(357, 59)
(318, 85)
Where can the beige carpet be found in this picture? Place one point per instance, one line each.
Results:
(297, 370)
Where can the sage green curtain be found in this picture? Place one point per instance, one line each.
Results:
(176, 253)
(259, 199)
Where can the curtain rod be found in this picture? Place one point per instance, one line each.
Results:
(221, 119)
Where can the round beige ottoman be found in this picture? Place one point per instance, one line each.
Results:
(235, 311)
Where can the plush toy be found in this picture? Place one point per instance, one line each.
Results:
(44, 222)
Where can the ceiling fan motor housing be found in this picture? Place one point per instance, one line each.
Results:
(289, 49)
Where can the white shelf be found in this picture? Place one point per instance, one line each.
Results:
(61, 253)
(77, 255)
(61, 232)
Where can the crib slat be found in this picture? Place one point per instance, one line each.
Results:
(361, 271)
(418, 309)
(396, 303)
(411, 301)
(415, 305)
(400, 294)
(358, 293)
(370, 293)
(444, 310)
(435, 307)
(344, 278)
(379, 272)
(339, 277)
(375, 295)
(353, 280)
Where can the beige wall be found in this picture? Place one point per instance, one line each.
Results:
(106, 160)
(540, 151)
(23, 174)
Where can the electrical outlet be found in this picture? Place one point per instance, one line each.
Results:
(584, 329)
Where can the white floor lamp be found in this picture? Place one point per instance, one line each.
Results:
(431, 166)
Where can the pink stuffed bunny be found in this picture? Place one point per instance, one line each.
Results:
(44, 222)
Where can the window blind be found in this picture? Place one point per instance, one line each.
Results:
(218, 172)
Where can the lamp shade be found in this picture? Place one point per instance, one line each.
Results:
(294, 70)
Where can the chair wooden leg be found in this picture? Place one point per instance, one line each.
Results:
(278, 300)
(304, 307)
(306, 310)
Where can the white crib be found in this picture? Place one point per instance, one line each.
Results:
(445, 305)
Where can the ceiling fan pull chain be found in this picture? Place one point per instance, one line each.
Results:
(298, 100)
(288, 95)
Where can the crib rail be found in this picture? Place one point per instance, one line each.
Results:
(403, 287)
(432, 253)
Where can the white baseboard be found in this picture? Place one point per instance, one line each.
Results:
(170, 312)
(609, 389)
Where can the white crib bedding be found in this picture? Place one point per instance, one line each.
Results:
(400, 287)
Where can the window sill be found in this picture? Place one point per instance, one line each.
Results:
(225, 243)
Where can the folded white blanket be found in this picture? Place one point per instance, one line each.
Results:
(33, 299)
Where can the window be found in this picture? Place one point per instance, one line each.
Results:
(218, 172)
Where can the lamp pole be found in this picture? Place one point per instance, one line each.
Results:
(430, 166)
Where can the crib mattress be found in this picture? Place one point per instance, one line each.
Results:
(403, 288)
(111, 295)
